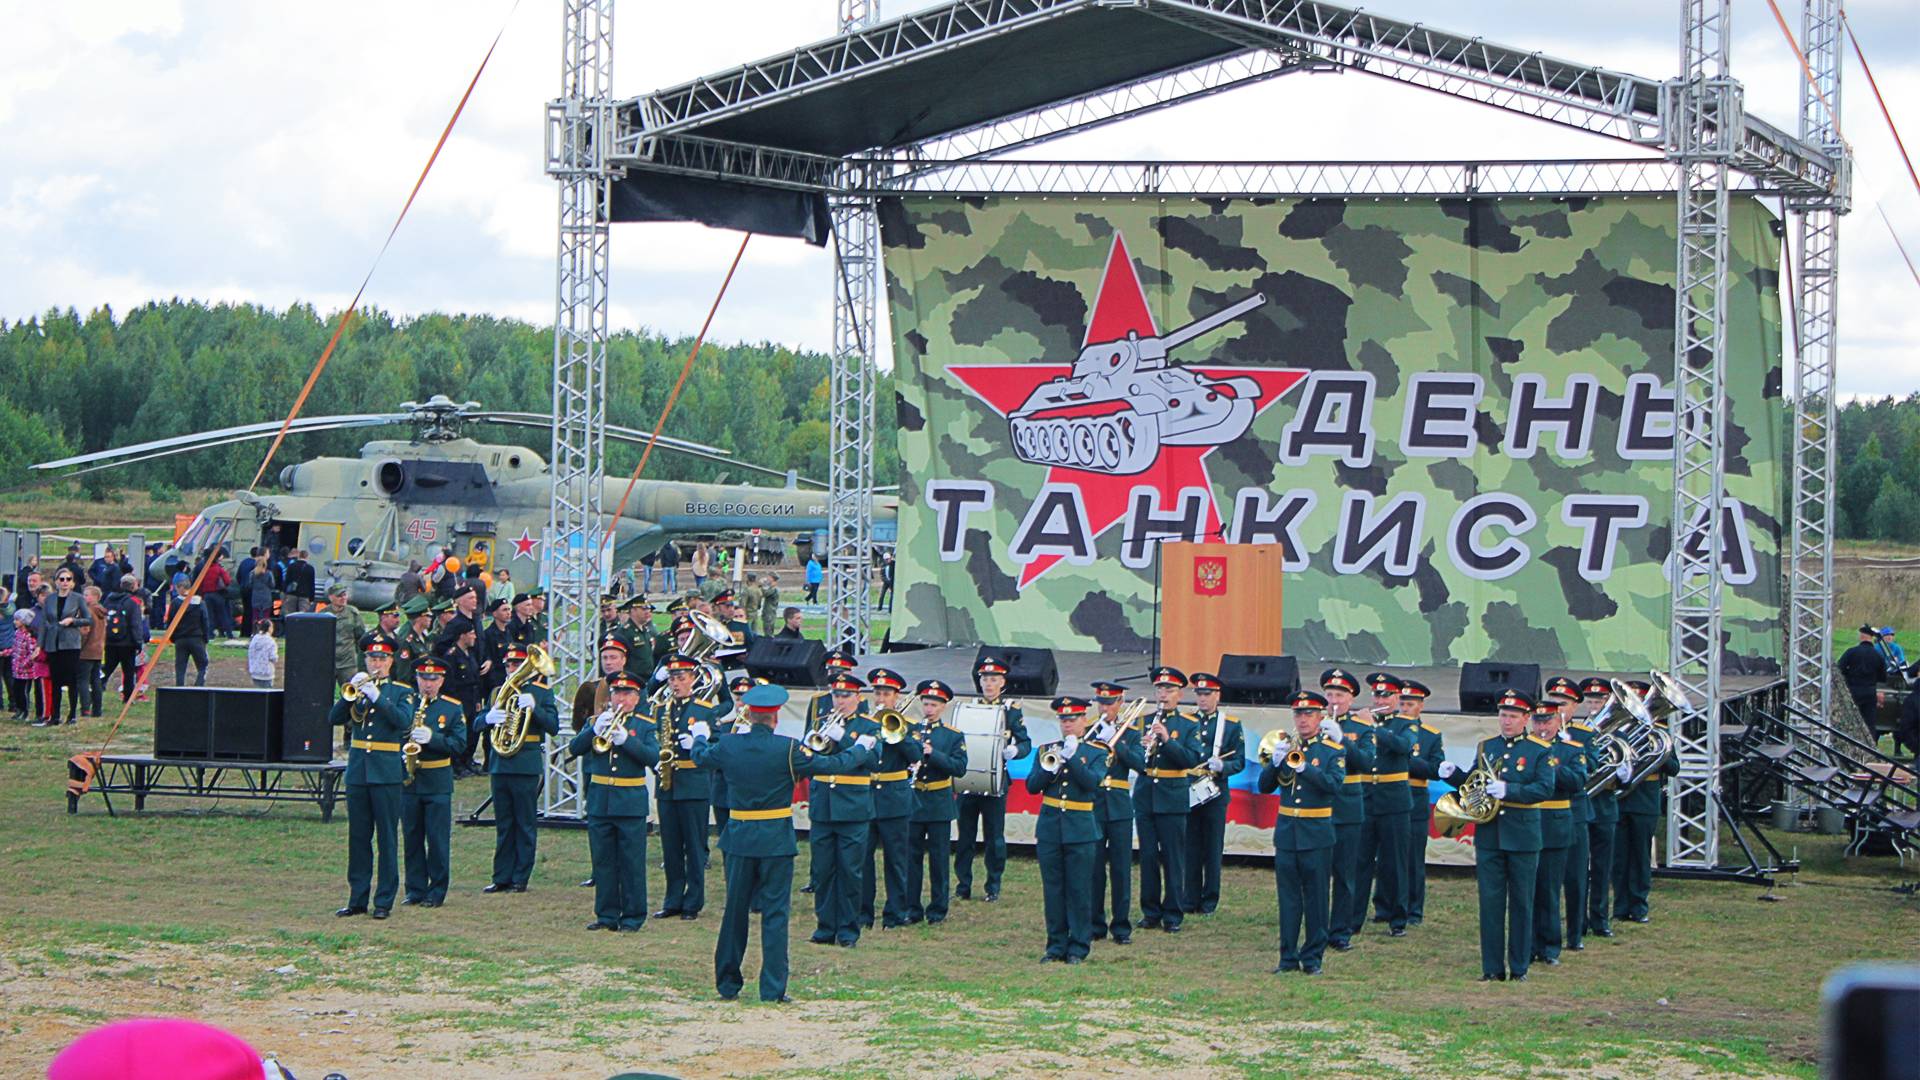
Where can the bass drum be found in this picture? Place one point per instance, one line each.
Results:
(985, 729)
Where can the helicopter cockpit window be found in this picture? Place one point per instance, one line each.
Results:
(195, 535)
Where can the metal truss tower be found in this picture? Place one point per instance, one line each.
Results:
(1810, 556)
(1706, 108)
(580, 126)
(856, 251)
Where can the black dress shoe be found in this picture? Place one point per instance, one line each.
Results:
(598, 925)
(1603, 932)
(497, 888)
(410, 902)
(735, 996)
(808, 890)
(1123, 941)
(1493, 978)
(936, 920)
(1516, 978)
(381, 913)
(1413, 920)
(1099, 935)
(1641, 919)
(1398, 931)
(781, 1000)
(1282, 969)
(666, 913)
(587, 883)
(1149, 924)
(847, 944)
(993, 898)
(1049, 958)
(1380, 918)
(818, 940)
(1341, 946)
(689, 916)
(1309, 971)
(430, 903)
(1171, 928)
(1550, 961)
(1076, 960)
(519, 888)
(958, 894)
(350, 910)
(1577, 947)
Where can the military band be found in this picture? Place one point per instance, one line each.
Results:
(899, 751)
(616, 748)
(1349, 807)
(374, 712)
(1161, 801)
(515, 776)
(1224, 742)
(683, 789)
(1113, 813)
(1309, 763)
(438, 728)
(1067, 777)
(943, 757)
(985, 816)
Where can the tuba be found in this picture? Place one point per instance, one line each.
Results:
(1469, 803)
(411, 751)
(511, 734)
(1610, 723)
(709, 635)
(1653, 744)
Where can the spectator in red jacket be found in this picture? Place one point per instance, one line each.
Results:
(213, 596)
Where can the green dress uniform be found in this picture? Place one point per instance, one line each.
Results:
(1423, 767)
(1303, 848)
(426, 804)
(1579, 852)
(373, 780)
(1506, 854)
(686, 804)
(1349, 829)
(1604, 824)
(617, 819)
(1633, 842)
(743, 636)
(1557, 827)
(892, 807)
(818, 711)
(412, 649)
(1113, 856)
(930, 823)
(515, 783)
(839, 815)
(1383, 839)
(1218, 735)
(1064, 837)
(1160, 812)
(987, 814)
(761, 769)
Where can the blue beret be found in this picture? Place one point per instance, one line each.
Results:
(765, 696)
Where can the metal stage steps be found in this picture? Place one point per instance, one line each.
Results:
(1836, 770)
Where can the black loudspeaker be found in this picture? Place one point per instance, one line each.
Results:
(246, 724)
(305, 735)
(1030, 672)
(1481, 683)
(182, 724)
(1258, 680)
(788, 661)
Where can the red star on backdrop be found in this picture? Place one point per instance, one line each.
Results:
(1120, 308)
(523, 547)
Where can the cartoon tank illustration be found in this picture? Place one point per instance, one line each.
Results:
(1123, 402)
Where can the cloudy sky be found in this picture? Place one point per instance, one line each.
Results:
(258, 152)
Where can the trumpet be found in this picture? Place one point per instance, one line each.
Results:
(1124, 721)
(602, 743)
(818, 740)
(1053, 757)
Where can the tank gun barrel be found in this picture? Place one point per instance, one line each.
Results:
(1175, 338)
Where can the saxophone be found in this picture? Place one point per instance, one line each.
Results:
(511, 734)
(669, 750)
(411, 751)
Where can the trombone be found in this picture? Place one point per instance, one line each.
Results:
(894, 724)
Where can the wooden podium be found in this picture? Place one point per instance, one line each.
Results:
(1216, 599)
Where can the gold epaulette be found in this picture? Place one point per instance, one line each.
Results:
(708, 702)
(1332, 743)
(451, 700)
(1540, 741)
(1424, 726)
(1578, 726)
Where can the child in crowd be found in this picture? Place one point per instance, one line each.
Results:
(261, 654)
(30, 664)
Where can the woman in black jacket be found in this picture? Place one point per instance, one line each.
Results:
(63, 631)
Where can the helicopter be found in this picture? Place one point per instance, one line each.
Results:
(364, 519)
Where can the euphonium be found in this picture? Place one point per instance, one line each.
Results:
(411, 751)
(511, 734)
(1469, 803)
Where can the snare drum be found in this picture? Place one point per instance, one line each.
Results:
(985, 729)
(1202, 791)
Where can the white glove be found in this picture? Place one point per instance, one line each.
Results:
(700, 729)
(1071, 746)
(1104, 732)
(617, 734)
(602, 722)
(369, 692)
(1623, 771)
(494, 717)
(865, 742)
(1009, 751)
(834, 730)
(1448, 769)
(421, 735)
(1330, 727)
(1216, 765)
(525, 701)
(685, 741)
(1566, 735)
(1497, 788)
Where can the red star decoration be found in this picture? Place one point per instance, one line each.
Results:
(1120, 308)
(523, 547)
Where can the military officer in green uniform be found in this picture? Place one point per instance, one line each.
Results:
(1556, 825)
(1349, 807)
(414, 642)
(1065, 833)
(727, 609)
(1383, 839)
(438, 725)
(636, 629)
(1161, 802)
(616, 782)
(1113, 813)
(386, 628)
(823, 706)
(988, 813)
(515, 779)
(537, 626)
(374, 713)
(761, 769)
(1224, 743)
(734, 721)
(1565, 693)
(892, 806)
(1605, 820)
(1303, 827)
(1633, 839)
(522, 629)
(1423, 766)
(1506, 850)
(839, 813)
(685, 792)
(943, 756)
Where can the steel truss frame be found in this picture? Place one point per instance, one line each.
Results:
(577, 125)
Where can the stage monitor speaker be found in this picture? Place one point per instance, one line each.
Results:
(1030, 672)
(1258, 680)
(246, 723)
(182, 722)
(788, 661)
(1482, 681)
(305, 735)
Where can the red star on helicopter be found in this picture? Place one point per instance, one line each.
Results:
(523, 547)
(1121, 418)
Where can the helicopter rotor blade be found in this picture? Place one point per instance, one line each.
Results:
(180, 444)
(641, 438)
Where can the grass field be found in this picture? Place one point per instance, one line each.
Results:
(228, 916)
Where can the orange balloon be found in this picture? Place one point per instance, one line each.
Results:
(453, 564)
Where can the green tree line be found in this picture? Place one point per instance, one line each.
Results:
(1879, 466)
(73, 384)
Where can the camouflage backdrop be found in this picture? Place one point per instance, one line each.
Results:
(1456, 414)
